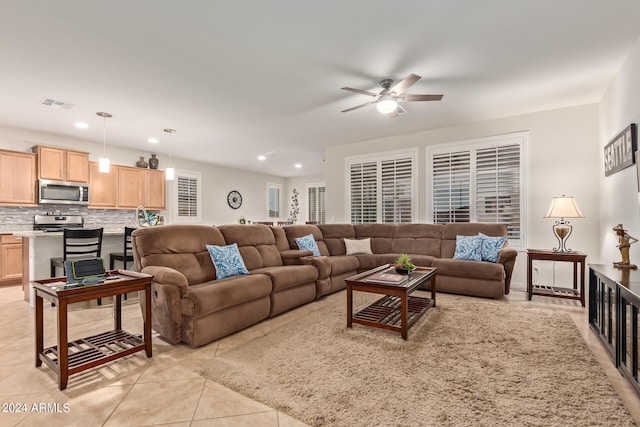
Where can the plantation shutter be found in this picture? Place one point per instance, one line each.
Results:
(451, 181)
(187, 196)
(364, 192)
(316, 204)
(396, 188)
(498, 187)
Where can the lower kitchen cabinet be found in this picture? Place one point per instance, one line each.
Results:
(10, 259)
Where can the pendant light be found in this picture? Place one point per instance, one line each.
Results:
(169, 172)
(103, 163)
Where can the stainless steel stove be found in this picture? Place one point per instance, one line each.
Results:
(56, 221)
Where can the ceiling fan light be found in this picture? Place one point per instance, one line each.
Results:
(387, 105)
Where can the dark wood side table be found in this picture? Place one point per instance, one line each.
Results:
(553, 291)
(82, 354)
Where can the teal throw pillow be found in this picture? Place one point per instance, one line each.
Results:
(308, 243)
(468, 247)
(491, 247)
(227, 260)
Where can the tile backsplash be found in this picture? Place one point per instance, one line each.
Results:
(20, 218)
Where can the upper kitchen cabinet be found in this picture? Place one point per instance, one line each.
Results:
(17, 178)
(103, 187)
(141, 187)
(62, 165)
(155, 190)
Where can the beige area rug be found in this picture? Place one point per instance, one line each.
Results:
(469, 361)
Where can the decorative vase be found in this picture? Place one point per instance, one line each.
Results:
(153, 162)
(141, 163)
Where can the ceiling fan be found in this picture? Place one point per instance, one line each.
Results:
(388, 98)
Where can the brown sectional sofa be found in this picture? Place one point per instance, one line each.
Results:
(190, 305)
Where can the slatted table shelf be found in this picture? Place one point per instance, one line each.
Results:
(387, 312)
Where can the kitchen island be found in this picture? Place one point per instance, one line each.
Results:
(38, 247)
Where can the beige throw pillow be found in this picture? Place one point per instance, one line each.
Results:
(362, 246)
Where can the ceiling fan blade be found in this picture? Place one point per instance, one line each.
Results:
(363, 92)
(359, 106)
(403, 85)
(414, 98)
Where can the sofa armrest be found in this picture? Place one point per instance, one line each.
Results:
(168, 276)
(321, 263)
(294, 256)
(507, 258)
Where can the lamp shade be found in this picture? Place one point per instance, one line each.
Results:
(564, 207)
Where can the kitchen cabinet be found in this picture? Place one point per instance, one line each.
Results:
(10, 259)
(141, 187)
(62, 165)
(155, 190)
(17, 178)
(103, 187)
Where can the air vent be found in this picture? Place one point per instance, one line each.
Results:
(50, 102)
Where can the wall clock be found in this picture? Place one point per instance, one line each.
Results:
(234, 199)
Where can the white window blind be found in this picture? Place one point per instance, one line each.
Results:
(451, 186)
(316, 203)
(396, 179)
(273, 200)
(364, 192)
(381, 188)
(187, 196)
(481, 181)
(498, 187)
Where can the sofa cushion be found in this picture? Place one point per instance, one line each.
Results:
(308, 243)
(256, 243)
(333, 236)
(381, 236)
(450, 231)
(180, 247)
(341, 264)
(293, 231)
(357, 246)
(490, 247)
(468, 247)
(421, 239)
(227, 260)
(205, 298)
(463, 268)
(289, 276)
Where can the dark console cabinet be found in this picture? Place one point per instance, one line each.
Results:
(614, 300)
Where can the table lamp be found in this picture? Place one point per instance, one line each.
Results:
(563, 207)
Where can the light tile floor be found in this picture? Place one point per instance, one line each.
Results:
(171, 388)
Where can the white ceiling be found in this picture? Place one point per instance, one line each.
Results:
(240, 78)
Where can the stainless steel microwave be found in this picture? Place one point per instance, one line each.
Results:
(60, 192)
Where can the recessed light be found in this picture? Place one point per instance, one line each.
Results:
(298, 165)
(153, 140)
(262, 157)
(81, 125)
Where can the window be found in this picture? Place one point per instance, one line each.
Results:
(315, 203)
(480, 181)
(381, 188)
(187, 196)
(273, 200)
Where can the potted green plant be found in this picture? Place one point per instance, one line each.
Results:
(403, 264)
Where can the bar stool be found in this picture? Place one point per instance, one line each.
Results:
(127, 254)
(77, 244)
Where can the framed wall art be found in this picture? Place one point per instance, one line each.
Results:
(620, 153)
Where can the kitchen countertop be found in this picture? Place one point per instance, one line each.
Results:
(39, 233)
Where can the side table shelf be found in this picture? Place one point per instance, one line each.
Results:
(614, 304)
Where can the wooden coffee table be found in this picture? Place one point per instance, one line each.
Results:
(85, 353)
(397, 310)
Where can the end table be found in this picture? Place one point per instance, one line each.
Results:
(553, 291)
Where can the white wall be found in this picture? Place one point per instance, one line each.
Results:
(562, 158)
(300, 184)
(619, 107)
(217, 181)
